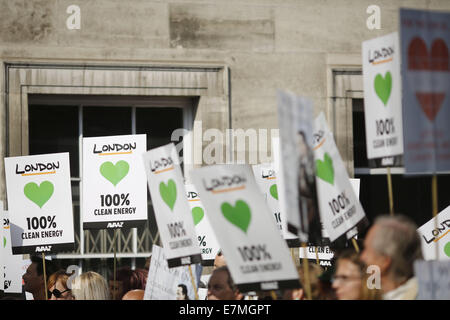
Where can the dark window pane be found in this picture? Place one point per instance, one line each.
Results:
(359, 135)
(106, 121)
(158, 124)
(54, 129)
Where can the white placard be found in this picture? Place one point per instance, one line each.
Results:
(433, 278)
(163, 282)
(172, 212)
(355, 184)
(258, 258)
(295, 117)
(113, 183)
(12, 267)
(206, 238)
(4, 224)
(340, 209)
(382, 96)
(435, 235)
(276, 151)
(324, 253)
(40, 203)
(266, 180)
(425, 46)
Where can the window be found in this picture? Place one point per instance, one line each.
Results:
(58, 122)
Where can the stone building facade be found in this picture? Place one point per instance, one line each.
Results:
(219, 61)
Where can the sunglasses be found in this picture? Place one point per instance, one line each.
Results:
(56, 293)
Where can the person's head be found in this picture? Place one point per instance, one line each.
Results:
(33, 278)
(219, 260)
(126, 280)
(90, 286)
(221, 285)
(136, 294)
(51, 280)
(393, 245)
(182, 293)
(57, 286)
(347, 281)
(314, 272)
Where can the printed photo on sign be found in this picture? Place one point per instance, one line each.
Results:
(435, 235)
(292, 239)
(382, 96)
(114, 185)
(425, 43)
(340, 209)
(172, 212)
(295, 116)
(40, 196)
(205, 235)
(258, 258)
(166, 283)
(266, 179)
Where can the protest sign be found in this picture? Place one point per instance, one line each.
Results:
(172, 212)
(4, 224)
(40, 203)
(355, 184)
(295, 117)
(11, 265)
(324, 253)
(433, 278)
(435, 236)
(266, 179)
(340, 209)
(425, 42)
(256, 255)
(292, 239)
(114, 186)
(382, 96)
(165, 283)
(205, 235)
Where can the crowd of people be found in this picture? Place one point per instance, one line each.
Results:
(384, 269)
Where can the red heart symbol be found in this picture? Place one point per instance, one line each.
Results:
(419, 59)
(430, 103)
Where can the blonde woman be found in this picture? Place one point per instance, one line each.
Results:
(350, 280)
(90, 286)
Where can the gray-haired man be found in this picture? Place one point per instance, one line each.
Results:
(393, 245)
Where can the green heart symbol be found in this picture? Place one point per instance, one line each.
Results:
(239, 215)
(114, 173)
(324, 169)
(39, 195)
(274, 191)
(447, 249)
(168, 193)
(4, 242)
(383, 87)
(197, 214)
